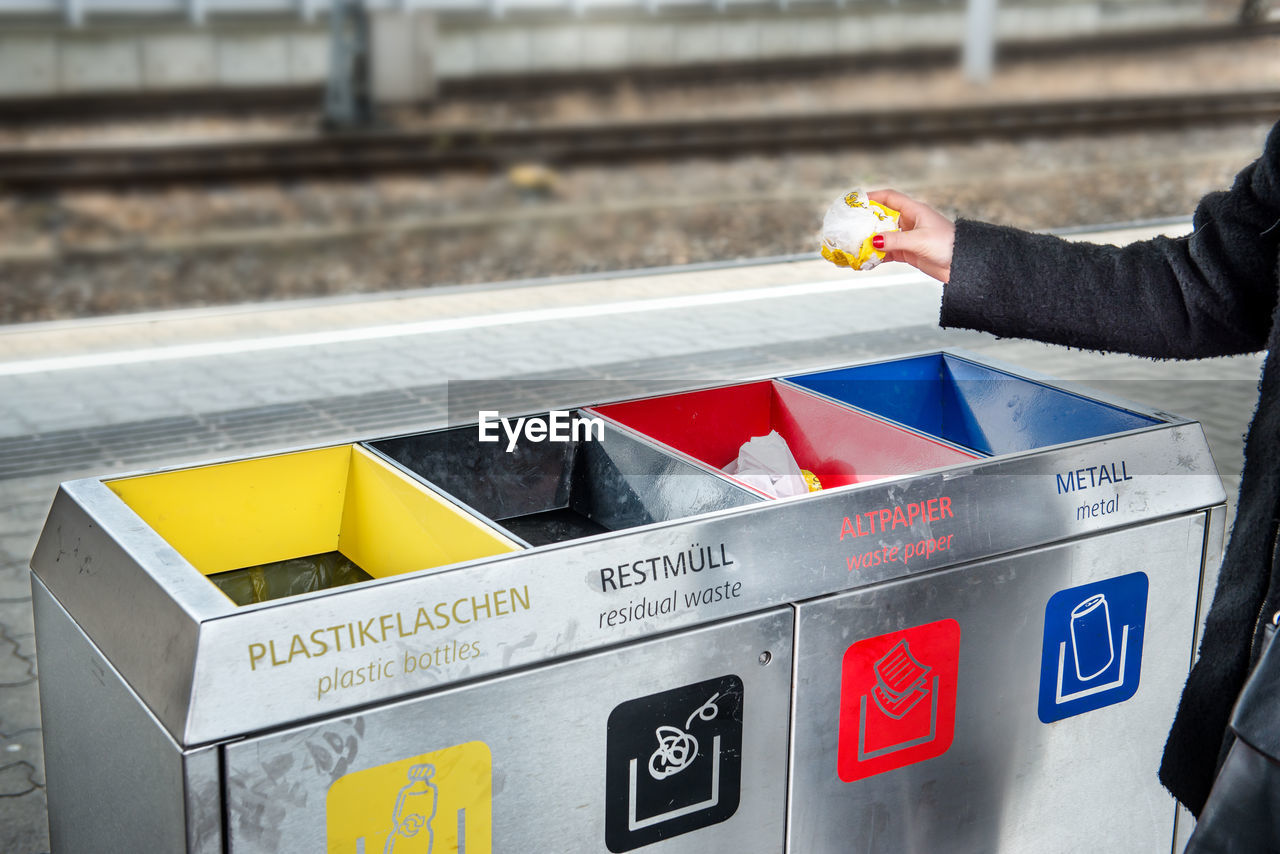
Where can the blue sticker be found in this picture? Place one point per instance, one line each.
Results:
(1092, 653)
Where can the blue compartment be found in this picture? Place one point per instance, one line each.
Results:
(971, 405)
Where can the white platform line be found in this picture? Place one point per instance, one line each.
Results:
(458, 324)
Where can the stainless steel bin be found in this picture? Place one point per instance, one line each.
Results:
(975, 648)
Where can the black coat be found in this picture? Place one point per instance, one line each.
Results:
(1211, 293)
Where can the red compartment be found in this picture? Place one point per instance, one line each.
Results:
(838, 444)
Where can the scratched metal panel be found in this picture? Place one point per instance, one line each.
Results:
(550, 759)
(992, 776)
(116, 780)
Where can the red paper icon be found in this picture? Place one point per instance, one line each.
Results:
(898, 699)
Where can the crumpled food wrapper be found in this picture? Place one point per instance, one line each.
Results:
(847, 229)
(766, 463)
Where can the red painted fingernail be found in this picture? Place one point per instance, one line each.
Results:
(878, 241)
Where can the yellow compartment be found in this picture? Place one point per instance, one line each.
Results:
(344, 499)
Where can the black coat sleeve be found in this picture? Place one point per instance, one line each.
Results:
(1210, 293)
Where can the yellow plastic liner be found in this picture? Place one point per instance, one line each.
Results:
(256, 511)
(391, 524)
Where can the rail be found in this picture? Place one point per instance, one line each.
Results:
(458, 147)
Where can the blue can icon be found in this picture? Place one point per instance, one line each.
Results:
(1091, 642)
(1092, 653)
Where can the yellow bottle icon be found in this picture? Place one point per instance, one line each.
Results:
(439, 802)
(414, 811)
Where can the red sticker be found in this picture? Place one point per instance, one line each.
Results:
(898, 699)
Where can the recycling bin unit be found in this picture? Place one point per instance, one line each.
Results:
(972, 638)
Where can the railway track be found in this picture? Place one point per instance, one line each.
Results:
(437, 149)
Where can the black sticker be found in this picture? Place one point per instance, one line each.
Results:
(673, 763)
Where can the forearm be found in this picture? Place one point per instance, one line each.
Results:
(1163, 298)
(1212, 293)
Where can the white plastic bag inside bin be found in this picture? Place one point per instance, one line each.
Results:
(766, 463)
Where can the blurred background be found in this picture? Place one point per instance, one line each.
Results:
(179, 153)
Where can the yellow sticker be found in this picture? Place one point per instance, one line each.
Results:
(885, 213)
(835, 256)
(434, 803)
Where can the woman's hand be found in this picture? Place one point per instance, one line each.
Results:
(927, 237)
